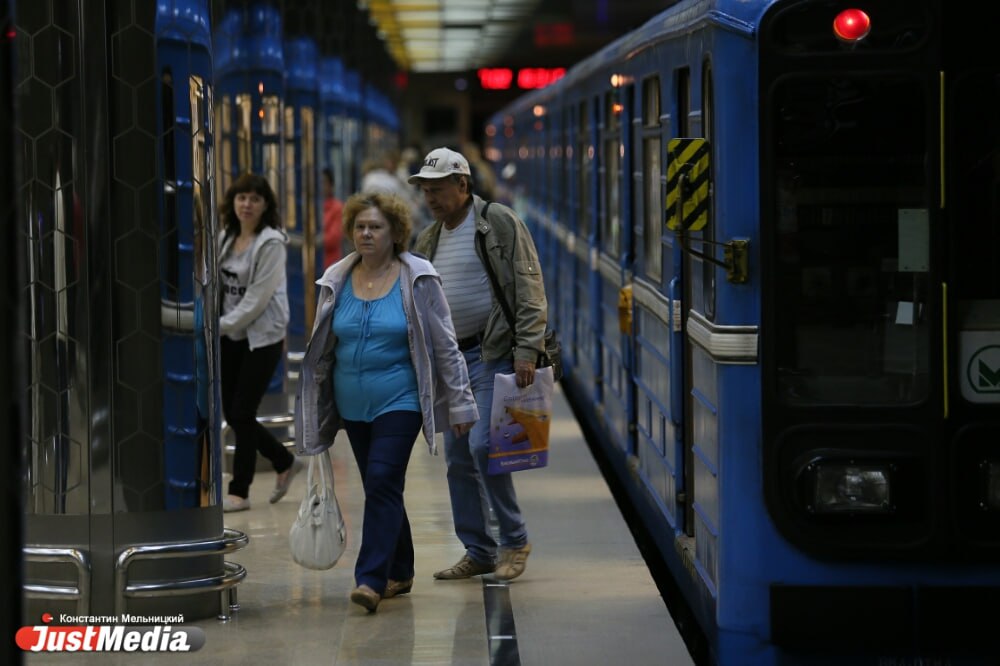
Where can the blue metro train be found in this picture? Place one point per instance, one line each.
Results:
(237, 95)
(770, 233)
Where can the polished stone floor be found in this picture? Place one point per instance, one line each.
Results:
(586, 597)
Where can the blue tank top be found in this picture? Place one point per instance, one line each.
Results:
(373, 373)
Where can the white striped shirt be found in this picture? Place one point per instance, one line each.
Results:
(466, 284)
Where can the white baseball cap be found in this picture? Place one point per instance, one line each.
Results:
(439, 163)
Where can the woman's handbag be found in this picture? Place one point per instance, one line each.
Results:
(318, 536)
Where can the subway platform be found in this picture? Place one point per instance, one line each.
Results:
(586, 597)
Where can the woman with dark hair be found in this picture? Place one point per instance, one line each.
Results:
(254, 304)
(383, 363)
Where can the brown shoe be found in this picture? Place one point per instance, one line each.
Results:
(512, 561)
(394, 588)
(366, 596)
(465, 568)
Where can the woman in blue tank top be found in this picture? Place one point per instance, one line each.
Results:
(384, 342)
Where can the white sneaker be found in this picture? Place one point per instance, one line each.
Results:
(284, 480)
(232, 503)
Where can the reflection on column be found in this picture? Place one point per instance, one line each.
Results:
(118, 310)
(57, 474)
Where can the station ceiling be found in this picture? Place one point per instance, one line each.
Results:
(424, 36)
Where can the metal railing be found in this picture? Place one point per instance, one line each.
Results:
(74, 556)
(225, 583)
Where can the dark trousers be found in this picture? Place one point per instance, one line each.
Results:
(382, 449)
(245, 376)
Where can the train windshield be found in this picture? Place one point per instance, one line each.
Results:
(852, 233)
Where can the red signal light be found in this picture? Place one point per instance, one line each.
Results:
(852, 25)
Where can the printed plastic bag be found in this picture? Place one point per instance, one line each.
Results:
(318, 536)
(519, 423)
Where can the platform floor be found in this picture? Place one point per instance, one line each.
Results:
(586, 597)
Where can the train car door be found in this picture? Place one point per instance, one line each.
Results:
(614, 356)
(689, 265)
(687, 190)
(655, 325)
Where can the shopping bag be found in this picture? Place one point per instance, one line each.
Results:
(318, 536)
(519, 423)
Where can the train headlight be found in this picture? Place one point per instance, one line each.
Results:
(852, 25)
(851, 487)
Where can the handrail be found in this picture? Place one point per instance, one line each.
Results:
(74, 556)
(230, 541)
(271, 420)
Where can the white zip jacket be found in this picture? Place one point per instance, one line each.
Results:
(442, 376)
(263, 310)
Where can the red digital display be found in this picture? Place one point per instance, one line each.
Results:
(529, 78)
(495, 78)
(538, 77)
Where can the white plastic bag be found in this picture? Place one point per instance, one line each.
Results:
(519, 423)
(318, 536)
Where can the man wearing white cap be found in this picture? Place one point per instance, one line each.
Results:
(455, 245)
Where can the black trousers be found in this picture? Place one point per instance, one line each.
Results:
(245, 376)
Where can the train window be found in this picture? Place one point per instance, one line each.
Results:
(554, 165)
(851, 240)
(244, 111)
(309, 212)
(709, 271)
(270, 114)
(585, 159)
(291, 212)
(683, 100)
(651, 180)
(611, 231)
(224, 160)
(566, 159)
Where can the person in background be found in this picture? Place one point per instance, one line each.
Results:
(333, 229)
(380, 175)
(482, 173)
(384, 363)
(254, 305)
(490, 347)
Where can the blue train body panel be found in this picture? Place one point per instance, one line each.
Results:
(816, 500)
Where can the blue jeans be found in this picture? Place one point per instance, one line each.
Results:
(382, 449)
(472, 490)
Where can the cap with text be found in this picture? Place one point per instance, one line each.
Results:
(440, 163)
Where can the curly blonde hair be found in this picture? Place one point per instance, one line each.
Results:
(395, 210)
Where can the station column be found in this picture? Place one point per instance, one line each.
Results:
(117, 314)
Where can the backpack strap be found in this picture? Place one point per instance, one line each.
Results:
(481, 239)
